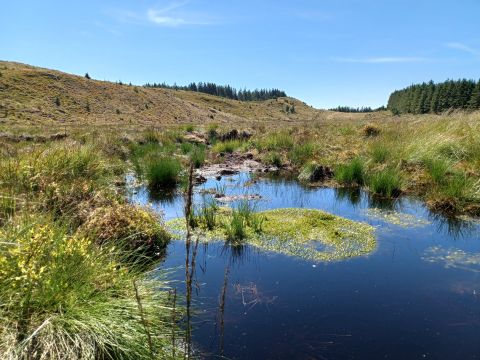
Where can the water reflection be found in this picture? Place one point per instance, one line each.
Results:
(455, 227)
(351, 195)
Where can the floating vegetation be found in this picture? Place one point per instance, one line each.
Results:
(305, 233)
(396, 218)
(453, 258)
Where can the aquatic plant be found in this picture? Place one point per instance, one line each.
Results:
(453, 258)
(208, 214)
(310, 234)
(163, 172)
(235, 227)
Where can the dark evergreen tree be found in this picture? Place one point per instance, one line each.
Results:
(225, 91)
(474, 102)
(435, 98)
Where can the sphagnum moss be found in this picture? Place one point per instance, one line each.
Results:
(306, 233)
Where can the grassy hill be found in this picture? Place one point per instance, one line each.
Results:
(33, 96)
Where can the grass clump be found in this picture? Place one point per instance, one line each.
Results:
(273, 158)
(197, 156)
(228, 146)
(301, 153)
(62, 179)
(385, 182)
(380, 152)
(63, 297)
(370, 130)
(135, 229)
(163, 173)
(437, 169)
(352, 173)
(278, 141)
(235, 227)
(208, 214)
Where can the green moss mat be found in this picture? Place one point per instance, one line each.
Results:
(309, 234)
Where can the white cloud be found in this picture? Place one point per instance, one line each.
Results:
(382, 60)
(157, 18)
(172, 15)
(463, 47)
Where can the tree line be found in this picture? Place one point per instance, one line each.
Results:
(225, 91)
(436, 97)
(363, 109)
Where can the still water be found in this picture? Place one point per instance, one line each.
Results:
(416, 297)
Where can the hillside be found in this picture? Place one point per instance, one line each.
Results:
(32, 96)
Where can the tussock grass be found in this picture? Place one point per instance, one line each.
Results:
(163, 173)
(438, 169)
(278, 141)
(135, 229)
(273, 158)
(64, 297)
(197, 156)
(62, 179)
(380, 152)
(352, 172)
(301, 153)
(65, 234)
(386, 182)
(228, 146)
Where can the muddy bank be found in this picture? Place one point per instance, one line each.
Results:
(231, 164)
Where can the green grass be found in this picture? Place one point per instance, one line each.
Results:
(208, 214)
(352, 172)
(278, 141)
(385, 182)
(64, 297)
(438, 169)
(228, 146)
(457, 186)
(235, 227)
(186, 147)
(301, 153)
(380, 152)
(273, 158)
(197, 156)
(163, 173)
(150, 136)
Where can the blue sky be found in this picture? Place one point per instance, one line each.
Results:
(325, 52)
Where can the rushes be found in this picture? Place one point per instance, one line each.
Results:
(228, 146)
(243, 218)
(163, 173)
(352, 172)
(385, 182)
